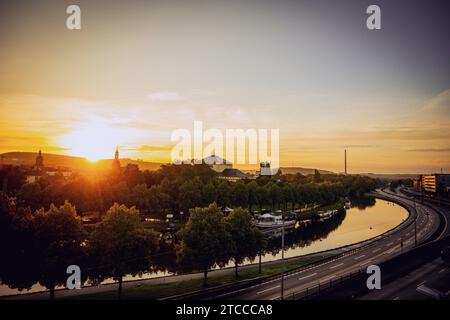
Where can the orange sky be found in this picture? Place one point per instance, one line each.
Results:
(132, 76)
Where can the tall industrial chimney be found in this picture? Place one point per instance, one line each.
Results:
(345, 160)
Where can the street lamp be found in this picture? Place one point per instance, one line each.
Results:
(282, 257)
(415, 224)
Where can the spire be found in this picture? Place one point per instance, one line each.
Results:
(116, 161)
(39, 165)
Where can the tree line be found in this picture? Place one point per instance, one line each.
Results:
(38, 246)
(175, 188)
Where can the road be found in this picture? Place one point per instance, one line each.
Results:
(382, 249)
(434, 275)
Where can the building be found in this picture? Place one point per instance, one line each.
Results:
(232, 175)
(217, 163)
(38, 169)
(116, 161)
(264, 169)
(417, 184)
(436, 183)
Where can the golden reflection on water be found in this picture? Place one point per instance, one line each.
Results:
(358, 225)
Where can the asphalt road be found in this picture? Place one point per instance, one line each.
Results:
(434, 275)
(374, 253)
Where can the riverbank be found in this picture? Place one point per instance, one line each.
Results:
(180, 283)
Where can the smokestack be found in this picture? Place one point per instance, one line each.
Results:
(345, 161)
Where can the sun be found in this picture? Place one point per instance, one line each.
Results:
(93, 141)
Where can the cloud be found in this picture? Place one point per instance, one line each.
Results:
(439, 104)
(165, 96)
(353, 146)
(430, 150)
(146, 148)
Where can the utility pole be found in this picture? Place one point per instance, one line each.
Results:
(415, 224)
(345, 161)
(282, 257)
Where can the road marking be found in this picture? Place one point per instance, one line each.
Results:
(396, 298)
(376, 250)
(265, 290)
(442, 270)
(338, 265)
(327, 279)
(423, 282)
(308, 276)
(389, 244)
(362, 264)
(357, 258)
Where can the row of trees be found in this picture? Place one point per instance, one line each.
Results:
(45, 243)
(195, 186)
(209, 239)
(38, 246)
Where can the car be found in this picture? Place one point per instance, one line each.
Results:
(445, 255)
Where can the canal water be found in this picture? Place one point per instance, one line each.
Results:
(361, 222)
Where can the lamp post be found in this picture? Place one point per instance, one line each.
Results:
(415, 224)
(282, 257)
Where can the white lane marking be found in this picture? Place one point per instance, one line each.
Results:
(364, 263)
(362, 256)
(423, 282)
(442, 270)
(268, 289)
(308, 276)
(376, 250)
(338, 265)
(389, 244)
(396, 298)
(327, 279)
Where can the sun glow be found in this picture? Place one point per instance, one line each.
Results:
(93, 141)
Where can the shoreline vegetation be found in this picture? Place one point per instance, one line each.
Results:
(45, 219)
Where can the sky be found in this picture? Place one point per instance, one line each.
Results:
(138, 70)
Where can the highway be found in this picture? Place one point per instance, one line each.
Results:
(377, 251)
(434, 277)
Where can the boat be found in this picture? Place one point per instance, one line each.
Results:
(268, 221)
(347, 204)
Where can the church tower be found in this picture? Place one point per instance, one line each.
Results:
(39, 164)
(116, 161)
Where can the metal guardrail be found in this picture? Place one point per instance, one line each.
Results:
(227, 289)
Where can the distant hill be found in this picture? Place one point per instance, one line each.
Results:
(303, 171)
(76, 163)
(393, 176)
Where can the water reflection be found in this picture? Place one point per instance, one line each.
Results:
(366, 219)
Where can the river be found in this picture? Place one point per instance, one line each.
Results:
(361, 222)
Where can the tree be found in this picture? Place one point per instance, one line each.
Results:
(205, 241)
(209, 194)
(240, 194)
(252, 188)
(274, 194)
(223, 194)
(262, 196)
(58, 238)
(243, 235)
(121, 245)
(189, 195)
(15, 271)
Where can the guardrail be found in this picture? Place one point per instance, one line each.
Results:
(392, 269)
(239, 286)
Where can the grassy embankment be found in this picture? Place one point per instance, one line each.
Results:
(157, 291)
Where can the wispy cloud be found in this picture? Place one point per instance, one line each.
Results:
(430, 150)
(165, 96)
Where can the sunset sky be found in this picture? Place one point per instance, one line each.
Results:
(137, 70)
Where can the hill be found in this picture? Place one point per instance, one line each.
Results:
(76, 163)
(303, 171)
